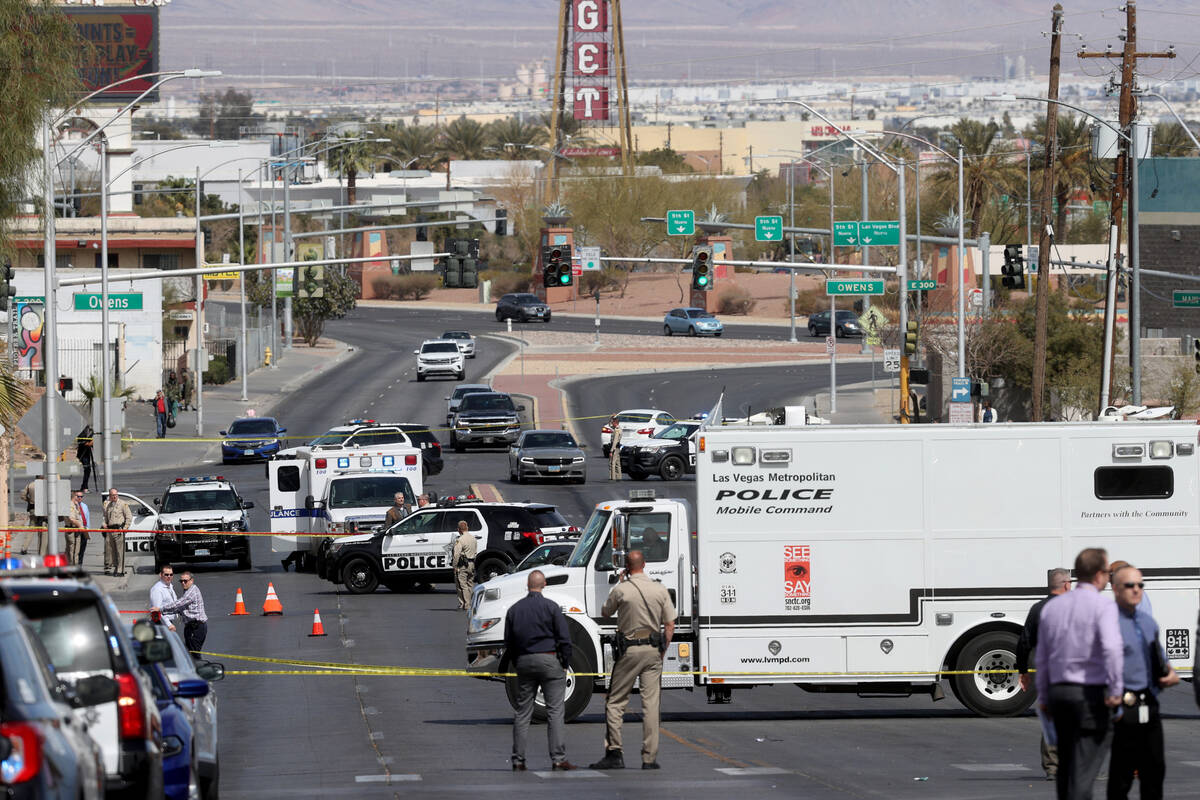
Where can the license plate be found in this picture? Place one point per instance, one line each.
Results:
(488, 439)
(202, 552)
(555, 468)
(247, 452)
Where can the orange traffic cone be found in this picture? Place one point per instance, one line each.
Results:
(318, 628)
(239, 606)
(272, 605)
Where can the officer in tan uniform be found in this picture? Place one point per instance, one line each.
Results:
(646, 621)
(614, 450)
(463, 559)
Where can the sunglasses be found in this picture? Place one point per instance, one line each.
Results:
(1139, 585)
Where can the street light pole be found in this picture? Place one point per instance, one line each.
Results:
(50, 345)
(792, 248)
(201, 357)
(962, 288)
(106, 375)
(242, 283)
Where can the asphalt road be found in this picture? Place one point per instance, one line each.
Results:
(284, 736)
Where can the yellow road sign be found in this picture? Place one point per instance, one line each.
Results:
(221, 276)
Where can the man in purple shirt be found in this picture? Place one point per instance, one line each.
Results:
(1080, 661)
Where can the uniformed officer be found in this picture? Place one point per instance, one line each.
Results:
(646, 620)
(614, 450)
(463, 559)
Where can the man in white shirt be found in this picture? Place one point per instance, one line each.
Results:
(163, 592)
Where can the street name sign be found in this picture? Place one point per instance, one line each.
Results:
(222, 276)
(768, 229)
(845, 234)
(117, 301)
(1183, 298)
(841, 286)
(960, 390)
(879, 233)
(681, 223)
(922, 286)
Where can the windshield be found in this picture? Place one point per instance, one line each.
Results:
(329, 439)
(527, 298)
(587, 540)
(463, 391)
(533, 440)
(546, 554)
(200, 500)
(847, 315)
(439, 347)
(456, 335)
(242, 427)
(636, 418)
(698, 313)
(487, 402)
(73, 633)
(675, 432)
(368, 491)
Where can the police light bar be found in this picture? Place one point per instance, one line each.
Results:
(200, 479)
(362, 422)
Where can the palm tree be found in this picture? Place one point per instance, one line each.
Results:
(350, 159)
(419, 142)
(1072, 170)
(1172, 141)
(988, 169)
(464, 138)
(512, 130)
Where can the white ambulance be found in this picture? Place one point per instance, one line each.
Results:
(314, 494)
(875, 559)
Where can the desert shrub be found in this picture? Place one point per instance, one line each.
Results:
(808, 301)
(507, 281)
(416, 285)
(386, 286)
(606, 280)
(218, 371)
(735, 300)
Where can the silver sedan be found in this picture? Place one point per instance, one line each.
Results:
(546, 454)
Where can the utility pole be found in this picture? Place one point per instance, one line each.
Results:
(1042, 301)
(1124, 186)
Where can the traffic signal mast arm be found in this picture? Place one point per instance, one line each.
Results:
(808, 266)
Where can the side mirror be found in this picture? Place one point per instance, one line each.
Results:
(192, 687)
(171, 746)
(211, 671)
(520, 408)
(222, 433)
(282, 430)
(447, 399)
(143, 631)
(309, 503)
(95, 690)
(158, 501)
(416, 352)
(247, 504)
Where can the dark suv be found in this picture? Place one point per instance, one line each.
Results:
(431, 449)
(45, 745)
(82, 632)
(417, 548)
(847, 324)
(522, 307)
(670, 453)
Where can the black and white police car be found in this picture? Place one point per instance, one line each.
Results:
(670, 453)
(418, 547)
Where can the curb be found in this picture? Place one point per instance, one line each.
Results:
(773, 322)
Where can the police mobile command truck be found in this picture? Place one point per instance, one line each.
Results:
(316, 493)
(872, 559)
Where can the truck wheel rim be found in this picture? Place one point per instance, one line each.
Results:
(672, 470)
(1000, 684)
(540, 699)
(359, 577)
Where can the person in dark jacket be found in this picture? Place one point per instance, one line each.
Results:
(83, 452)
(1059, 582)
(538, 646)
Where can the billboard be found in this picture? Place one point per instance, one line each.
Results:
(117, 44)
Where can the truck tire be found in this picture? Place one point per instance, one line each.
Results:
(671, 468)
(580, 685)
(637, 474)
(489, 568)
(990, 694)
(359, 576)
(244, 563)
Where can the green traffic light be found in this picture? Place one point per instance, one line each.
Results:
(564, 279)
(702, 280)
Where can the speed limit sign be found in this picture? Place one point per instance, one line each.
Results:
(830, 345)
(891, 360)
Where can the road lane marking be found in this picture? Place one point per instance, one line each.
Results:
(702, 750)
(561, 775)
(743, 771)
(992, 767)
(393, 778)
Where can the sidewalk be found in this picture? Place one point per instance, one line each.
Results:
(266, 387)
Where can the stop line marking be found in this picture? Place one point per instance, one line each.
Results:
(744, 771)
(560, 774)
(992, 767)
(386, 778)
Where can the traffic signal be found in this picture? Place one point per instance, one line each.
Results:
(910, 338)
(7, 289)
(1196, 353)
(702, 274)
(468, 273)
(452, 274)
(502, 222)
(311, 281)
(553, 268)
(65, 385)
(1014, 267)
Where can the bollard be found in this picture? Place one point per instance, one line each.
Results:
(266, 356)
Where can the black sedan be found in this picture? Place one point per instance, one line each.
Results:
(847, 324)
